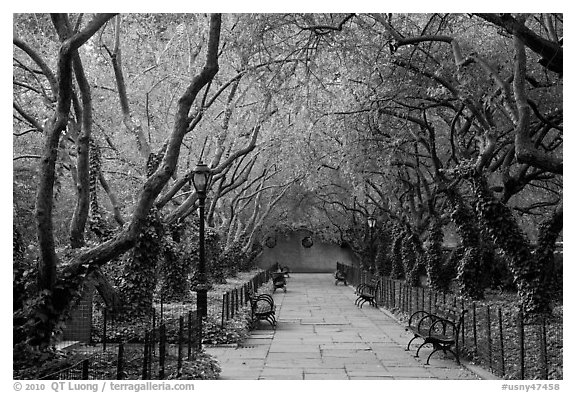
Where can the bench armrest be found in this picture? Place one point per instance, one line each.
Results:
(417, 316)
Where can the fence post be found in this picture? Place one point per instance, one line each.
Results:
(474, 330)
(180, 344)
(463, 307)
(388, 292)
(521, 339)
(120, 362)
(199, 328)
(85, 367)
(233, 303)
(411, 292)
(489, 336)
(152, 338)
(146, 355)
(190, 334)
(161, 309)
(237, 294)
(227, 305)
(162, 354)
(404, 290)
(543, 353)
(424, 298)
(104, 332)
(223, 310)
(503, 370)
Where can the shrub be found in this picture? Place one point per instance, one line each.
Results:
(203, 366)
(234, 331)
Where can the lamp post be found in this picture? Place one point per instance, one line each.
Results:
(201, 179)
(371, 223)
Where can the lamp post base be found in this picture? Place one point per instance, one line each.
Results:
(201, 312)
(202, 302)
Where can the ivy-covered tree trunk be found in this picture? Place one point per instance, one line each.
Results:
(176, 265)
(413, 258)
(230, 258)
(57, 293)
(97, 223)
(434, 257)
(397, 271)
(18, 269)
(547, 236)
(253, 254)
(140, 273)
(383, 262)
(529, 272)
(470, 267)
(216, 270)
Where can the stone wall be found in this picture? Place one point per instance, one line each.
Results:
(319, 258)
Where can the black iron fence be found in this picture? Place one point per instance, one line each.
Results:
(158, 356)
(154, 347)
(234, 300)
(498, 336)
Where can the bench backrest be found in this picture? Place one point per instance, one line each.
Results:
(256, 301)
(453, 314)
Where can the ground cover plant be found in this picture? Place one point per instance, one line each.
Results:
(395, 135)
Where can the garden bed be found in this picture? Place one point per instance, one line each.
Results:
(99, 359)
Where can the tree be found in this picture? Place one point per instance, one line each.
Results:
(59, 291)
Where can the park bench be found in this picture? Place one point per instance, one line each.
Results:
(366, 292)
(263, 308)
(286, 271)
(440, 329)
(340, 276)
(279, 281)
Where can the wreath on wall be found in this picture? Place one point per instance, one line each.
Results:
(270, 242)
(307, 242)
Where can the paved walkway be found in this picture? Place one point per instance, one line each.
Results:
(321, 334)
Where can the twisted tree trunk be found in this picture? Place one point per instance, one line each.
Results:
(59, 297)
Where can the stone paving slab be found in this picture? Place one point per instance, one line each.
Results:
(322, 335)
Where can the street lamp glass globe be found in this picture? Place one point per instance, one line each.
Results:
(201, 178)
(371, 222)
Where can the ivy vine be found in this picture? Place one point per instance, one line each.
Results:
(140, 272)
(397, 269)
(500, 225)
(438, 280)
(470, 266)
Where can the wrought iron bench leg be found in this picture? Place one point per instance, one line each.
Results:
(420, 347)
(410, 342)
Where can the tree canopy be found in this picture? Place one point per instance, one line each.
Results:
(313, 121)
